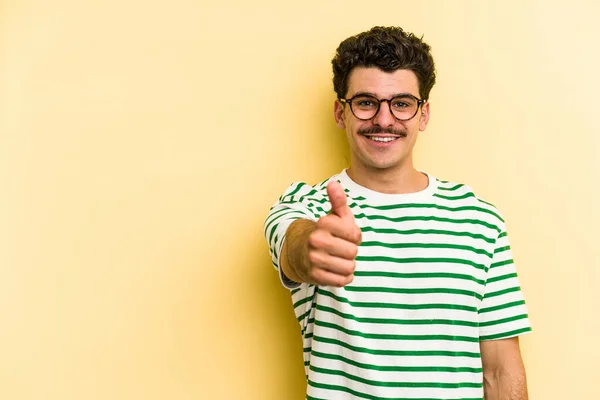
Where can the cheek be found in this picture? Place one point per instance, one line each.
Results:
(351, 128)
(355, 126)
(415, 127)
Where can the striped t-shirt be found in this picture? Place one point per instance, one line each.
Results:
(434, 276)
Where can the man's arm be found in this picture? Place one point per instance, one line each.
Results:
(503, 370)
(294, 254)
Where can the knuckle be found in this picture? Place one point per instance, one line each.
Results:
(341, 280)
(314, 275)
(353, 252)
(329, 223)
(314, 257)
(319, 239)
(353, 232)
(323, 222)
(357, 236)
(322, 279)
(314, 239)
(349, 267)
(349, 279)
(338, 281)
(352, 267)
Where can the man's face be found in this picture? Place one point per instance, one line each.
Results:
(366, 152)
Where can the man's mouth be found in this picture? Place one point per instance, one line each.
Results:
(382, 139)
(380, 135)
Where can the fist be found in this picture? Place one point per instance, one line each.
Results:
(333, 245)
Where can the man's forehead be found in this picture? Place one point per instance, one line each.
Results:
(376, 81)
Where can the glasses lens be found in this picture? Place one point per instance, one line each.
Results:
(364, 107)
(404, 107)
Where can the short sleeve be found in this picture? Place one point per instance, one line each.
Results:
(503, 312)
(299, 201)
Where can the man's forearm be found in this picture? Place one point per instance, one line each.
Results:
(503, 385)
(294, 258)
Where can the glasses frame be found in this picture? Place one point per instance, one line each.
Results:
(349, 101)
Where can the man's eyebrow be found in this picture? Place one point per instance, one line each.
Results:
(364, 94)
(402, 94)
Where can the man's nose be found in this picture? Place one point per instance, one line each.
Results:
(384, 117)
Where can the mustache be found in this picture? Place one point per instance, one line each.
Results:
(377, 129)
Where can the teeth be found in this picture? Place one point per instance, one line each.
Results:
(382, 139)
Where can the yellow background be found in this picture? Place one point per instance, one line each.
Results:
(142, 144)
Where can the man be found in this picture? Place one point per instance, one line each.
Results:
(403, 284)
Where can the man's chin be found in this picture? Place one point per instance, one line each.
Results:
(382, 166)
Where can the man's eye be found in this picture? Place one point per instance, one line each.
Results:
(399, 104)
(365, 103)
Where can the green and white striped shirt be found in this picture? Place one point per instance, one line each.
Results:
(434, 276)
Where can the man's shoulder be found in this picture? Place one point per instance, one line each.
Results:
(300, 190)
(463, 195)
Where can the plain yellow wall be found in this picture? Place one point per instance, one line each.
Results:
(142, 143)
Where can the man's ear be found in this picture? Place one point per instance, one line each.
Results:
(425, 111)
(338, 114)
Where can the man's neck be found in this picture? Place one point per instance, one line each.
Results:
(390, 181)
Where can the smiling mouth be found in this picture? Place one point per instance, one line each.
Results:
(383, 139)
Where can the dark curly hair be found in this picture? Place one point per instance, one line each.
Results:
(387, 48)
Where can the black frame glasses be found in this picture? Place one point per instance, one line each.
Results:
(374, 99)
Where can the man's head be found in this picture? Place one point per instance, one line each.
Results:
(386, 48)
(382, 79)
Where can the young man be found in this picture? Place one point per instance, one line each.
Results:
(403, 284)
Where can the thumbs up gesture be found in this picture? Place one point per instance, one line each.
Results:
(333, 245)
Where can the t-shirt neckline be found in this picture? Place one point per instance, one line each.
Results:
(356, 190)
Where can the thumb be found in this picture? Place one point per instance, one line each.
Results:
(337, 198)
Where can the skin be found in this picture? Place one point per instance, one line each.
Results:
(323, 252)
(389, 169)
(504, 375)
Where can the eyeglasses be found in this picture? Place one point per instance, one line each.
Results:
(402, 107)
